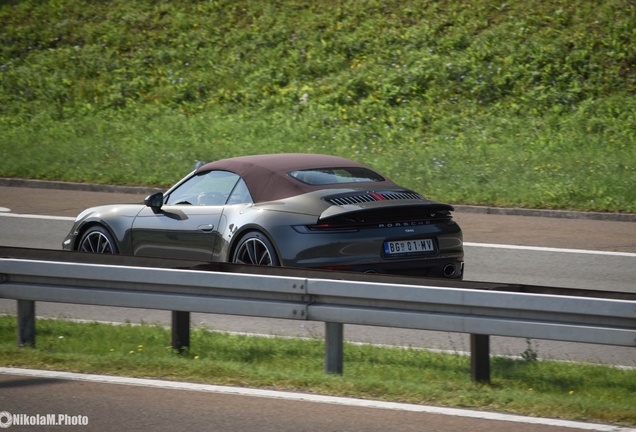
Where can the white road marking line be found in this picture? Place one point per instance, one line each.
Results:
(240, 391)
(31, 216)
(548, 249)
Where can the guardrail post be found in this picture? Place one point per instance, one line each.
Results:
(180, 330)
(480, 358)
(26, 323)
(334, 356)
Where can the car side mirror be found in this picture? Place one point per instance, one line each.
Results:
(154, 201)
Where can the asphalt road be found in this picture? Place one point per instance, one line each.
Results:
(139, 407)
(605, 258)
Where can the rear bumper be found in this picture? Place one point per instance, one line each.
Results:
(362, 251)
(451, 268)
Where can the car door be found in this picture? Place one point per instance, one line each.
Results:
(190, 221)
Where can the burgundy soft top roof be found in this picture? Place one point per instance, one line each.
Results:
(266, 175)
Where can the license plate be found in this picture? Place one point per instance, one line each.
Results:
(408, 247)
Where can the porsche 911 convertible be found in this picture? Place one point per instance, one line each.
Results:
(294, 210)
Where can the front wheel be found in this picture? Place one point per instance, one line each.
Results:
(97, 239)
(255, 249)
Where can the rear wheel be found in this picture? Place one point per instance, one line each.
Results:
(255, 249)
(97, 239)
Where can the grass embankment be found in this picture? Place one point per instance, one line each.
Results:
(537, 388)
(481, 102)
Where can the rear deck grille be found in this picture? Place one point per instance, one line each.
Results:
(371, 197)
(401, 195)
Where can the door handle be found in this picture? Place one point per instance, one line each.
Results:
(206, 228)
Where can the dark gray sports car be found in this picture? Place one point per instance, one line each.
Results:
(295, 210)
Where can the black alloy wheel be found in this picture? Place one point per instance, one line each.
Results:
(97, 239)
(255, 249)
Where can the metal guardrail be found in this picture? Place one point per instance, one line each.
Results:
(480, 310)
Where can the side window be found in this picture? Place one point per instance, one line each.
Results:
(207, 188)
(240, 194)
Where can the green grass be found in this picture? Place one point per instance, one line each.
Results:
(536, 388)
(481, 102)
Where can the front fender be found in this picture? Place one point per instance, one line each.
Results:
(116, 219)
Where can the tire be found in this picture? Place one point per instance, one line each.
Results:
(97, 239)
(255, 249)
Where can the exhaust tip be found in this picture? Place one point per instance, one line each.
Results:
(449, 270)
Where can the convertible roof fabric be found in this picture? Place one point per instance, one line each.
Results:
(267, 176)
